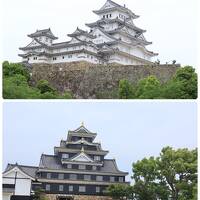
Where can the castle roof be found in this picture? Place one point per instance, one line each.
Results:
(52, 163)
(79, 32)
(112, 6)
(118, 20)
(43, 32)
(29, 170)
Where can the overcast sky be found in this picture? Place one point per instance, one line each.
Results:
(130, 131)
(171, 24)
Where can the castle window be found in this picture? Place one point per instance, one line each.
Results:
(87, 177)
(110, 15)
(99, 178)
(103, 16)
(121, 179)
(65, 155)
(107, 16)
(81, 166)
(63, 57)
(47, 187)
(81, 189)
(94, 167)
(97, 189)
(48, 175)
(73, 176)
(97, 158)
(112, 179)
(69, 56)
(60, 176)
(61, 188)
(71, 188)
(69, 166)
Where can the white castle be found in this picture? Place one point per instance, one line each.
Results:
(112, 39)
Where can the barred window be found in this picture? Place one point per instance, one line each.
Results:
(87, 177)
(82, 189)
(69, 166)
(94, 167)
(73, 176)
(61, 188)
(81, 166)
(60, 176)
(65, 155)
(121, 179)
(71, 188)
(97, 158)
(99, 178)
(48, 175)
(47, 187)
(112, 179)
(97, 189)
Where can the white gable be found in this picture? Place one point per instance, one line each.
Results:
(20, 173)
(21, 180)
(33, 43)
(74, 40)
(82, 157)
(107, 5)
(101, 36)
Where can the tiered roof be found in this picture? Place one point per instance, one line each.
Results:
(112, 6)
(43, 32)
(79, 32)
(49, 163)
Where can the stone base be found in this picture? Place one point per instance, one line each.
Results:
(77, 197)
(90, 81)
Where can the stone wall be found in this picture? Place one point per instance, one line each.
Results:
(85, 80)
(78, 197)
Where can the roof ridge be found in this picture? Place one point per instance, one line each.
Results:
(48, 155)
(22, 165)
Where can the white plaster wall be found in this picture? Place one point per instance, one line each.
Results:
(22, 182)
(6, 196)
(23, 187)
(101, 38)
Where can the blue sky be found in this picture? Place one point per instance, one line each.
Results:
(130, 131)
(171, 24)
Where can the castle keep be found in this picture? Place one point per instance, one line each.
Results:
(113, 38)
(77, 170)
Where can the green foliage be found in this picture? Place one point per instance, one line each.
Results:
(16, 85)
(44, 87)
(182, 86)
(148, 88)
(12, 69)
(172, 174)
(126, 90)
(120, 191)
(39, 195)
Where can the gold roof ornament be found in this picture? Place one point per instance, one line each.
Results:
(82, 149)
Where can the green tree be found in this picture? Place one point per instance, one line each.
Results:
(39, 195)
(126, 90)
(16, 87)
(120, 191)
(171, 175)
(44, 87)
(183, 85)
(148, 88)
(12, 69)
